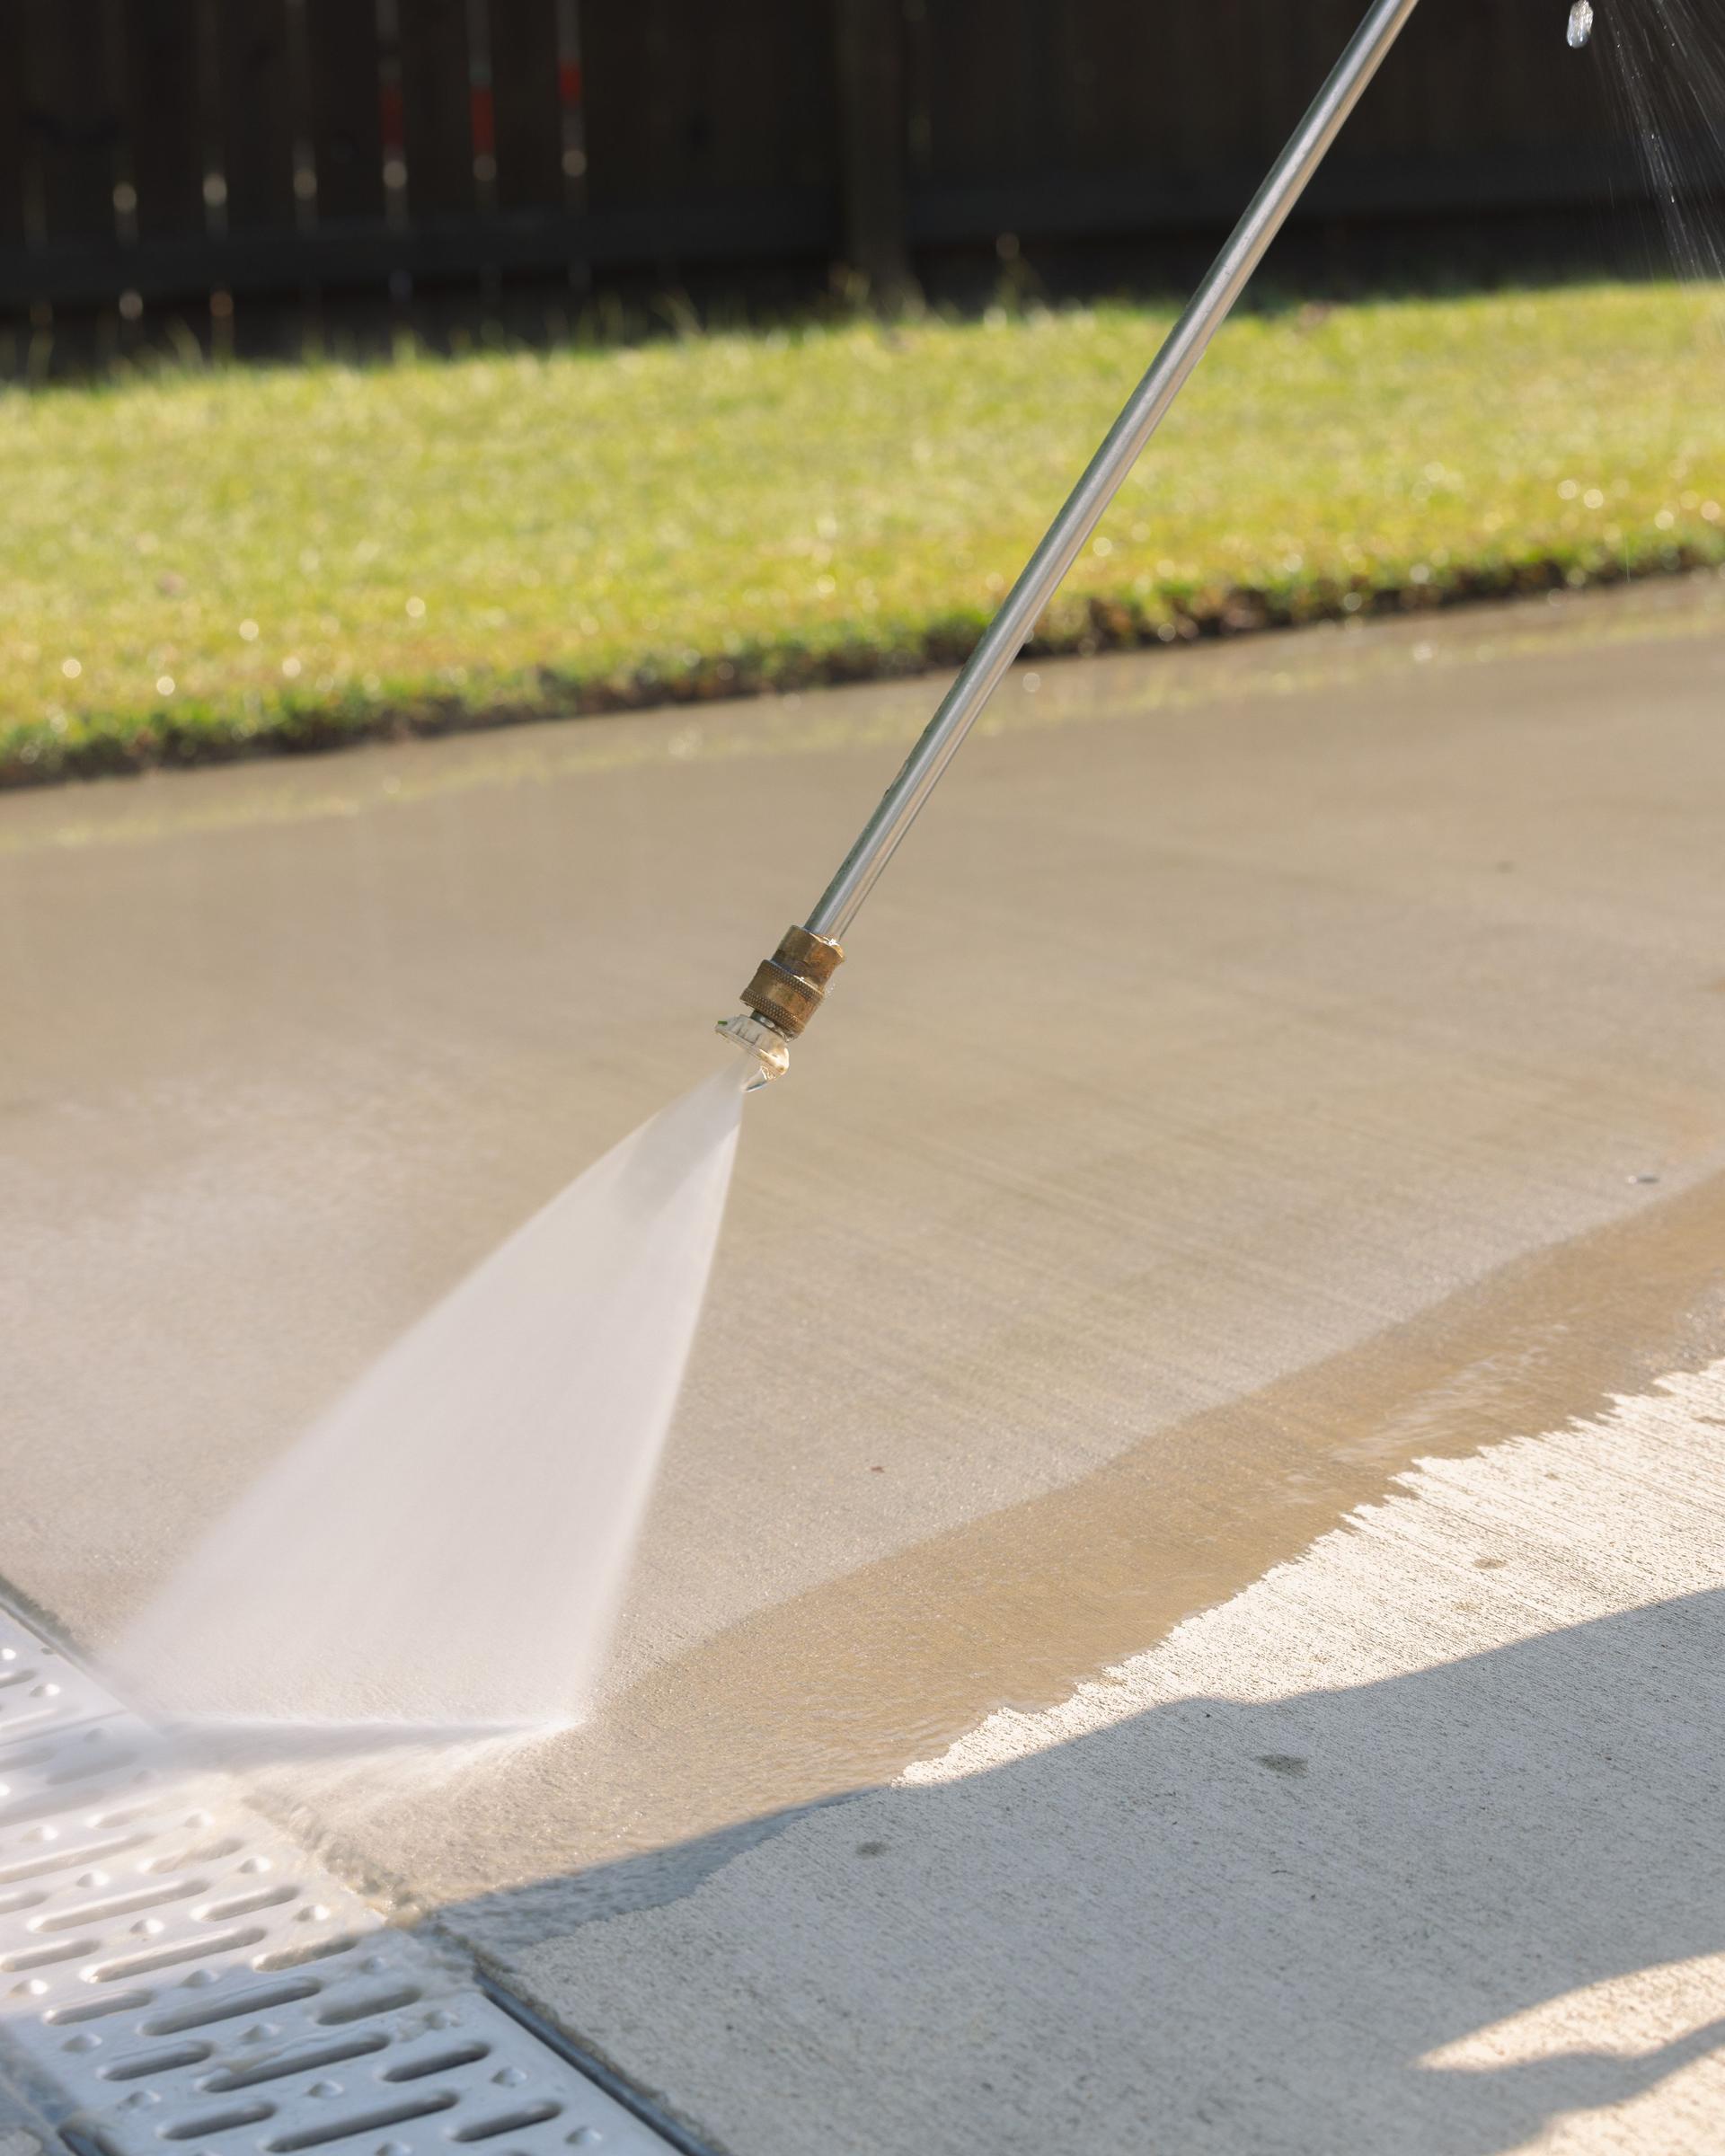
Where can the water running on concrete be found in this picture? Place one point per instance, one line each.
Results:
(840, 1686)
(447, 1547)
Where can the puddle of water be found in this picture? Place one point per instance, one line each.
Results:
(447, 1546)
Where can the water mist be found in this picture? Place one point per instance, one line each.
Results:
(447, 1547)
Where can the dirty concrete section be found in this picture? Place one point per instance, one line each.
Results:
(1262, 1067)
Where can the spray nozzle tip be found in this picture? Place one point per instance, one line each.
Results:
(766, 1043)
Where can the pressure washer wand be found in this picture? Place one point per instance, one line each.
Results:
(788, 987)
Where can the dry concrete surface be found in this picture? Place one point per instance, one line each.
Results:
(1183, 1607)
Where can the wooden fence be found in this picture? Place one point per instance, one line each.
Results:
(188, 154)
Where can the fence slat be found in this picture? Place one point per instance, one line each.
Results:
(342, 60)
(436, 107)
(525, 105)
(163, 108)
(11, 128)
(973, 82)
(1113, 91)
(1181, 122)
(635, 71)
(71, 115)
(683, 102)
(255, 133)
(869, 54)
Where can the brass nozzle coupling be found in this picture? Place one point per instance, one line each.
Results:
(787, 988)
(782, 998)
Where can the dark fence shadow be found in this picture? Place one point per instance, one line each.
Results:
(1210, 1927)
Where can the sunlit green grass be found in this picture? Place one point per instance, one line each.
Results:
(193, 564)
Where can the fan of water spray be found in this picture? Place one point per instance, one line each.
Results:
(445, 1548)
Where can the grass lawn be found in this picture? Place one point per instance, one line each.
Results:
(195, 565)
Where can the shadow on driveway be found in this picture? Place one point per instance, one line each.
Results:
(1212, 1926)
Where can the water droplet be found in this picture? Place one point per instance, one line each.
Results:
(1580, 24)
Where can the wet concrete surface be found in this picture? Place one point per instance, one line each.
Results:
(1264, 1065)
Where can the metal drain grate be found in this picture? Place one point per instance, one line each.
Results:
(174, 1976)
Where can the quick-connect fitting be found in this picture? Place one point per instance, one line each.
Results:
(787, 988)
(783, 995)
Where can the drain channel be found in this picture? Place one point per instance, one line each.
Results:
(173, 1972)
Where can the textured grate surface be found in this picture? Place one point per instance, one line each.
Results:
(174, 1976)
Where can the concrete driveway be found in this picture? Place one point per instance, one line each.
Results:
(1264, 1067)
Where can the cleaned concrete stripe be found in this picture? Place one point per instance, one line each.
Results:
(1414, 1844)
